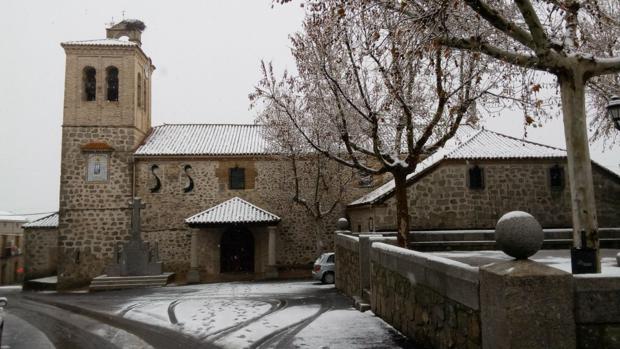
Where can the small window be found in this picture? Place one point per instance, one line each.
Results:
(112, 84)
(331, 258)
(144, 96)
(237, 178)
(365, 179)
(139, 91)
(90, 84)
(556, 177)
(476, 178)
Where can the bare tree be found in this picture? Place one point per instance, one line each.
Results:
(576, 41)
(319, 185)
(372, 91)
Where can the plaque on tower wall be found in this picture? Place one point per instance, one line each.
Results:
(97, 170)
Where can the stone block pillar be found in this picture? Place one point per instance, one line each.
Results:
(271, 271)
(364, 264)
(525, 304)
(193, 276)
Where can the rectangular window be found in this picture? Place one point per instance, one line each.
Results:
(237, 178)
(476, 178)
(556, 178)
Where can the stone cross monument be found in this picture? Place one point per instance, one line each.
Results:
(136, 257)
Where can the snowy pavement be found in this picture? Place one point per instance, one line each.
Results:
(293, 314)
(559, 259)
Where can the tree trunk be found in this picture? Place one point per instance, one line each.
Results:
(402, 208)
(572, 88)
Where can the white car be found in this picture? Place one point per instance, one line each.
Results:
(325, 268)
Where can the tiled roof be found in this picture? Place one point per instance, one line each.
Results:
(101, 42)
(492, 145)
(235, 210)
(483, 144)
(50, 221)
(204, 139)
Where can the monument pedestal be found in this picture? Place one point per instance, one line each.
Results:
(137, 263)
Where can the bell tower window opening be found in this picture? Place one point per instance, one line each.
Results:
(112, 83)
(476, 178)
(139, 92)
(237, 178)
(89, 77)
(144, 95)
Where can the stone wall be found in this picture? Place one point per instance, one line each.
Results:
(434, 301)
(347, 265)
(441, 199)
(94, 216)
(300, 239)
(597, 311)
(40, 252)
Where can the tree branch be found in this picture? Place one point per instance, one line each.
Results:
(475, 45)
(496, 20)
(539, 36)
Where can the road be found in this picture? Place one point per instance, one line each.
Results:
(292, 314)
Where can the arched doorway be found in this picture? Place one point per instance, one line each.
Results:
(237, 251)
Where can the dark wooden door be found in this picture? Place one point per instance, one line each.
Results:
(237, 251)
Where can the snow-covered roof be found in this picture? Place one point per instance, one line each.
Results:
(204, 139)
(49, 221)
(235, 210)
(10, 217)
(468, 145)
(101, 42)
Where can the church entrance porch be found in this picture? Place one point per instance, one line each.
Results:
(234, 240)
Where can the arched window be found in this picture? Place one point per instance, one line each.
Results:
(139, 90)
(112, 82)
(90, 83)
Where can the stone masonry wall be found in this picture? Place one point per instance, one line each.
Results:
(431, 300)
(40, 252)
(441, 199)
(347, 265)
(300, 239)
(597, 312)
(94, 216)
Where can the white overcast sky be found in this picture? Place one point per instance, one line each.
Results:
(207, 55)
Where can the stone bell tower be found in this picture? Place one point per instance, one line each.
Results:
(107, 113)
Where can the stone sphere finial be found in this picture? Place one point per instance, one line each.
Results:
(343, 224)
(519, 234)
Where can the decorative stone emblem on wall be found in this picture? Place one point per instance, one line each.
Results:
(190, 182)
(519, 234)
(156, 182)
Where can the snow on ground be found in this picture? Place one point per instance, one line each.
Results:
(268, 326)
(559, 259)
(355, 331)
(284, 314)
(206, 317)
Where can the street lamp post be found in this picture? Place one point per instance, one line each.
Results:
(613, 110)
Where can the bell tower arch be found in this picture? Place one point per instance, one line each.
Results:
(107, 113)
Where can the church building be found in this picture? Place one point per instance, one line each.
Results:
(219, 201)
